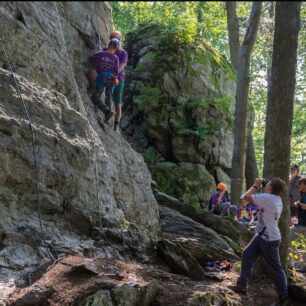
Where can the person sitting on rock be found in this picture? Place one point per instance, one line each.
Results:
(301, 205)
(106, 68)
(219, 203)
(244, 213)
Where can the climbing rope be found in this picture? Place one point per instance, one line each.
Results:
(95, 158)
(69, 63)
(33, 147)
(95, 25)
(100, 206)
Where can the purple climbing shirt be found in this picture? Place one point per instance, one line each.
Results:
(123, 58)
(105, 61)
(215, 197)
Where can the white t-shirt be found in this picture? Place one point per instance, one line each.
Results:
(271, 208)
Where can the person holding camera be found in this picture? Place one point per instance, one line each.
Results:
(267, 240)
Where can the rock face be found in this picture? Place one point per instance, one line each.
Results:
(179, 111)
(88, 176)
(201, 242)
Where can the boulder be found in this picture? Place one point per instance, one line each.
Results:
(180, 260)
(203, 243)
(37, 296)
(222, 225)
(180, 101)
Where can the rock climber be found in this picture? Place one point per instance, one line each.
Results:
(104, 75)
(117, 95)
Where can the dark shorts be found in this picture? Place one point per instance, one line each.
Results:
(118, 93)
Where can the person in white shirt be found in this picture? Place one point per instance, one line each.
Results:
(267, 240)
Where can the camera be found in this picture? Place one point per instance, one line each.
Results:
(264, 182)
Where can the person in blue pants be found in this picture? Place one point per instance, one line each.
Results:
(267, 240)
(106, 68)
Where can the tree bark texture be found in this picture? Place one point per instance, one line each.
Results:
(200, 17)
(241, 108)
(251, 169)
(233, 31)
(280, 104)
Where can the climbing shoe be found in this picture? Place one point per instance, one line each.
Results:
(238, 289)
(116, 127)
(109, 116)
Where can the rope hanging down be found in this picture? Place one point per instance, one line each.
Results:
(95, 26)
(33, 147)
(95, 154)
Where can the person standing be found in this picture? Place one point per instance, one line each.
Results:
(117, 95)
(293, 189)
(267, 239)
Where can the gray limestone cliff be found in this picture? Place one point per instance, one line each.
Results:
(179, 111)
(91, 183)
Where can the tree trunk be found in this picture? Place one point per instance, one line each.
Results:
(200, 17)
(233, 31)
(241, 108)
(251, 170)
(280, 104)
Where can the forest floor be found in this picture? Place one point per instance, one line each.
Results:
(173, 289)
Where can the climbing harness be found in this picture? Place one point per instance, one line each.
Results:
(33, 147)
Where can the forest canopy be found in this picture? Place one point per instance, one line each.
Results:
(190, 20)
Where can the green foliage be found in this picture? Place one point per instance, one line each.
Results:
(297, 250)
(148, 98)
(181, 27)
(201, 131)
(179, 17)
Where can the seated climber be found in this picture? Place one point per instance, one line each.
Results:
(301, 205)
(244, 214)
(106, 65)
(254, 209)
(219, 203)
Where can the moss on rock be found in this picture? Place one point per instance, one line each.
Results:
(204, 298)
(186, 101)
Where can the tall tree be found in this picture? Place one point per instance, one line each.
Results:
(251, 170)
(233, 31)
(280, 103)
(241, 108)
(200, 17)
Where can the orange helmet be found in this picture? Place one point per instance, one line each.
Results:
(222, 187)
(115, 34)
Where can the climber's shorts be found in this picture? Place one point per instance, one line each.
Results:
(118, 93)
(104, 80)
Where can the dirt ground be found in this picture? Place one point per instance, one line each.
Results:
(174, 289)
